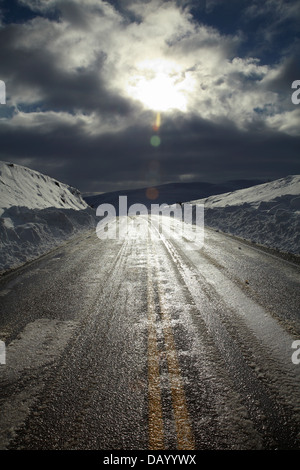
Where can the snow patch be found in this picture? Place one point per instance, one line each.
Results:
(24, 372)
(268, 214)
(37, 213)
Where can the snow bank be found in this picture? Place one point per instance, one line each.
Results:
(268, 214)
(37, 213)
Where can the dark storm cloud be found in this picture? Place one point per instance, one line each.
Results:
(74, 14)
(55, 88)
(285, 74)
(193, 146)
(71, 117)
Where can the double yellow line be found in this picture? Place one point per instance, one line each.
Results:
(185, 439)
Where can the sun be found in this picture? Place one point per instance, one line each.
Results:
(160, 85)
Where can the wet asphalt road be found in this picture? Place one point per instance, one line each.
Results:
(151, 343)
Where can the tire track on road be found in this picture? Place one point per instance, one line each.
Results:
(273, 419)
(58, 420)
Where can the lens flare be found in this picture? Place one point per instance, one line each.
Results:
(155, 141)
(152, 193)
(157, 123)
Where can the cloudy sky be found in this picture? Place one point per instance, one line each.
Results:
(108, 95)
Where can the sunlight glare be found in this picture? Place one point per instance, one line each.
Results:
(160, 85)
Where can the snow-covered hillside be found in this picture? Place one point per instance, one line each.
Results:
(268, 214)
(37, 213)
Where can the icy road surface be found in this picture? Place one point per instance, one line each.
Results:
(151, 343)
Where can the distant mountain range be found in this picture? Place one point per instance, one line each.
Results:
(169, 193)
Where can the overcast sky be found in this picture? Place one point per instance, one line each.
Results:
(90, 83)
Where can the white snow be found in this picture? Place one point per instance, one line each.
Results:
(267, 214)
(37, 213)
(37, 346)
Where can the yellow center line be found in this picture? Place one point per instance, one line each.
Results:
(156, 429)
(185, 439)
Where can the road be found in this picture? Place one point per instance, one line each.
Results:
(151, 342)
